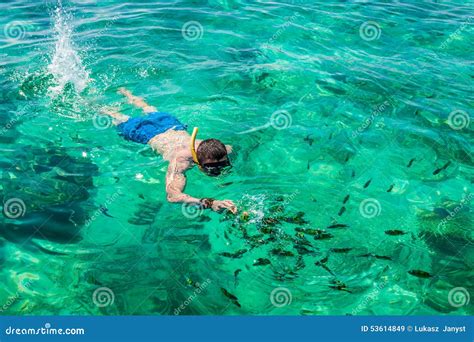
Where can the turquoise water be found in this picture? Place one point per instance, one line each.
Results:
(348, 114)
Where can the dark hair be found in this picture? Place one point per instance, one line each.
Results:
(211, 149)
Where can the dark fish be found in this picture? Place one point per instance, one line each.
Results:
(340, 250)
(338, 225)
(267, 230)
(322, 263)
(390, 188)
(141, 196)
(322, 235)
(270, 221)
(236, 274)
(302, 250)
(262, 262)
(117, 179)
(339, 285)
(105, 211)
(411, 162)
(330, 136)
(367, 183)
(233, 298)
(281, 252)
(297, 219)
(346, 199)
(382, 257)
(420, 274)
(236, 255)
(444, 167)
(353, 173)
(308, 231)
(226, 184)
(441, 212)
(395, 232)
(309, 140)
(308, 166)
(341, 211)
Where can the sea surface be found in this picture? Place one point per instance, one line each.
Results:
(351, 123)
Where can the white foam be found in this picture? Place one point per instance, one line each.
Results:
(66, 64)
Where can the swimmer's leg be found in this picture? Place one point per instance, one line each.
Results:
(118, 117)
(137, 101)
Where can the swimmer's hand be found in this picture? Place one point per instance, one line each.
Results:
(226, 204)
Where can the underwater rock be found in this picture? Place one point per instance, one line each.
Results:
(52, 190)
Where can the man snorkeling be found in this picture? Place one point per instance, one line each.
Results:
(167, 136)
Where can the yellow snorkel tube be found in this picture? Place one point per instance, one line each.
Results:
(193, 145)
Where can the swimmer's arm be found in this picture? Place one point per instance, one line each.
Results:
(176, 182)
(137, 101)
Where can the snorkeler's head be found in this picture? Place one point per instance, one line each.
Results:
(212, 157)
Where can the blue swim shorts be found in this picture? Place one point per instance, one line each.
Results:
(142, 129)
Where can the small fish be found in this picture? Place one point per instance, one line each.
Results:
(339, 285)
(141, 196)
(367, 183)
(353, 173)
(338, 225)
(420, 274)
(341, 211)
(347, 158)
(105, 211)
(302, 250)
(308, 166)
(341, 250)
(322, 235)
(236, 255)
(309, 140)
(236, 274)
(346, 199)
(308, 231)
(410, 163)
(229, 295)
(261, 262)
(270, 221)
(395, 232)
(382, 257)
(281, 252)
(390, 188)
(297, 219)
(322, 263)
(444, 167)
